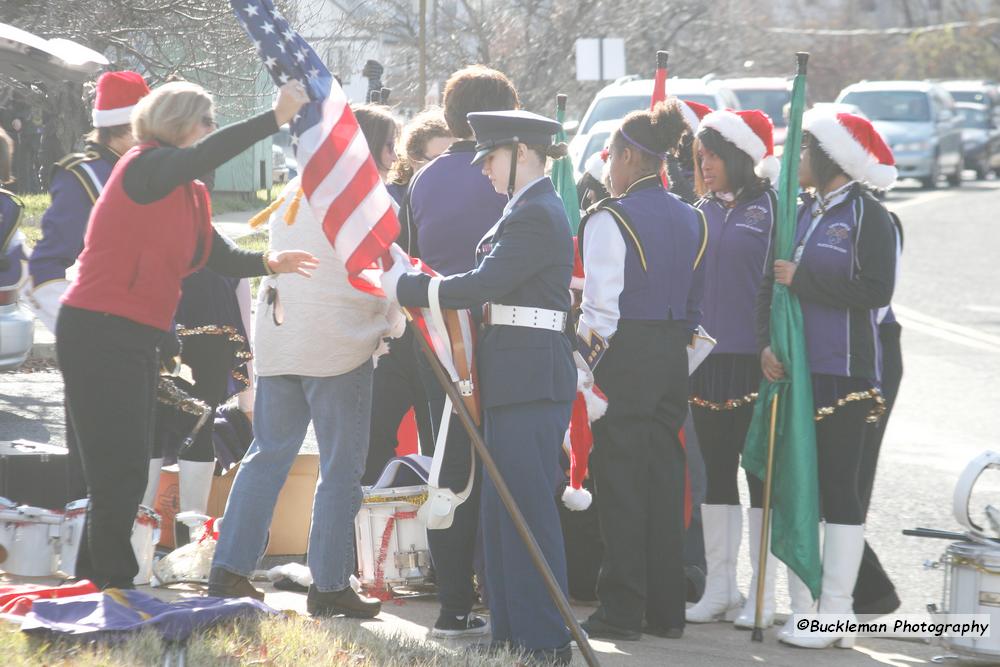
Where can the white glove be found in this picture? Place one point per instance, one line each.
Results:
(400, 266)
(584, 376)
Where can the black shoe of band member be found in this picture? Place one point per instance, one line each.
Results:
(225, 584)
(597, 628)
(341, 603)
(449, 626)
(666, 633)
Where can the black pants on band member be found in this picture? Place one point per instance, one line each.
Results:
(452, 549)
(638, 468)
(396, 387)
(840, 443)
(109, 366)
(873, 583)
(721, 435)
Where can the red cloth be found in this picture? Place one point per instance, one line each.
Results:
(581, 440)
(17, 600)
(135, 256)
(406, 435)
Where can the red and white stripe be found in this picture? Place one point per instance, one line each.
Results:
(344, 190)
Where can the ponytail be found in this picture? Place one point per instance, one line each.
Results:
(554, 151)
(655, 134)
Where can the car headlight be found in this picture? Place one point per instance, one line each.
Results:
(912, 147)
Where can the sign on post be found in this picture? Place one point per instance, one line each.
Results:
(600, 59)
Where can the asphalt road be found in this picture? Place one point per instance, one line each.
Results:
(948, 410)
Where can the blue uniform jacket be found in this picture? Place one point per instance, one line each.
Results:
(526, 260)
(739, 241)
(77, 181)
(11, 251)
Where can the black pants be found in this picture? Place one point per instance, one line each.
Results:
(721, 434)
(840, 444)
(396, 387)
(109, 367)
(212, 359)
(452, 549)
(638, 467)
(873, 583)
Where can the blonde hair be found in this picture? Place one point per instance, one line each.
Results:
(169, 113)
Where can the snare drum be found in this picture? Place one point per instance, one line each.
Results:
(29, 536)
(145, 535)
(972, 584)
(392, 542)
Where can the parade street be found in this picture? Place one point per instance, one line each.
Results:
(948, 302)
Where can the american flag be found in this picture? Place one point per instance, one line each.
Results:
(339, 177)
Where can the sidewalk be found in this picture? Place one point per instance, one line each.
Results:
(233, 224)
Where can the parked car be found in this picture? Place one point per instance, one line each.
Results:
(919, 121)
(630, 93)
(978, 91)
(980, 138)
(593, 142)
(769, 94)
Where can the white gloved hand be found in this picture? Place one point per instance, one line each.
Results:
(400, 266)
(584, 376)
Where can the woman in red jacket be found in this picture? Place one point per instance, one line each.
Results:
(150, 228)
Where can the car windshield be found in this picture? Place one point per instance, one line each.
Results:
(976, 96)
(614, 108)
(595, 143)
(898, 105)
(771, 102)
(975, 118)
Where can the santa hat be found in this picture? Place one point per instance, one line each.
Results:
(117, 95)
(855, 145)
(693, 113)
(589, 406)
(752, 132)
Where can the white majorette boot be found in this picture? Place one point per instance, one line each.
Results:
(152, 482)
(746, 618)
(195, 487)
(843, 547)
(722, 526)
(801, 601)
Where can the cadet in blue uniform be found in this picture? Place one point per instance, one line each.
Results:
(77, 181)
(527, 379)
(642, 252)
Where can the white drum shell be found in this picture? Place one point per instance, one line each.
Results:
(29, 536)
(407, 540)
(145, 535)
(973, 587)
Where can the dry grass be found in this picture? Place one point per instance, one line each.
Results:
(282, 641)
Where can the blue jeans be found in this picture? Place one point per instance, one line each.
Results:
(340, 409)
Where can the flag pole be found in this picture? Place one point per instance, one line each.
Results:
(802, 59)
(765, 529)
(551, 585)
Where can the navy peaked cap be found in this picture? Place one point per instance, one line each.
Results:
(501, 128)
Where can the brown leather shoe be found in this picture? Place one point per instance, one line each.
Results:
(225, 584)
(341, 603)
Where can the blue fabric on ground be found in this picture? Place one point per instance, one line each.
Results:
(118, 611)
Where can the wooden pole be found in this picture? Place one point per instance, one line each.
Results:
(765, 528)
(551, 585)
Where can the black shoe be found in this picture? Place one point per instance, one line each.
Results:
(886, 604)
(597, 628)
(341, 603)
(450, 626)
(666, 633)
(225, 584)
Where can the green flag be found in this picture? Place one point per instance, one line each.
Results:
(795, 484)
(562, 174)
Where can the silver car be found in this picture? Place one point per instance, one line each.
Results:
(919, 121)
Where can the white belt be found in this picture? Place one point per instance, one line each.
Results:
(523, 316)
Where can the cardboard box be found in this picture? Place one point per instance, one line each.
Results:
(290, 524)
(293, 511)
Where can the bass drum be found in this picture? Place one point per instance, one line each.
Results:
(972, 586)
